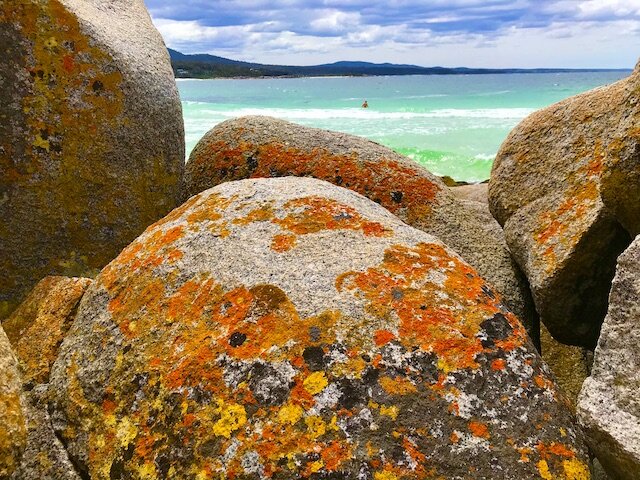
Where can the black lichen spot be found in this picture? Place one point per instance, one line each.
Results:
(252, 163)
(314, 357)
(97, 86)
(496, 328)
(397, 196)
(116, 472)
(338, 180)
(237, 339)
(163, 464)
(488, 292)
(128, 453)
(351, 393)
(370, 376)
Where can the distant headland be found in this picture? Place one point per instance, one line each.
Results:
(203, 65)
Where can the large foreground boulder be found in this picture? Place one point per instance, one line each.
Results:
(252, 147)
(288, 328)
(37, 327)
(548, 188)
(91, 136)
(609, 403)
(12, 421)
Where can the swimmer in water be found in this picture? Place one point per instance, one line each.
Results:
(365, 104)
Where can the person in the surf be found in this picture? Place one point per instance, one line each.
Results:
(365, 104)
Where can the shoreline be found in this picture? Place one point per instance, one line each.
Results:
(462, 74)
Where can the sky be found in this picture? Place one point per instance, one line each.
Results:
(471, 33)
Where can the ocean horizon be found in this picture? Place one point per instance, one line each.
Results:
(451, 124)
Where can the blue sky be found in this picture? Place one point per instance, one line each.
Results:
(473, 33)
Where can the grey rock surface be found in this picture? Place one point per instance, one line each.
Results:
(253, 147)
(478, 192)
(609, 402)
(289, 328)
(91, 138)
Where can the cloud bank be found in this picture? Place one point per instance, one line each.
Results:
(489, 33)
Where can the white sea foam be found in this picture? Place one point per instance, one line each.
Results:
(370, 114)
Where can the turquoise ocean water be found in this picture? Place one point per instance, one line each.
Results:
(453, 125)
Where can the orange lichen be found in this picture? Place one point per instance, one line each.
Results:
(283, 243)
(560, 229)
(313, 214)
(498, 364)
(37, 327)
(450, 329)
(396, 186)
(479, 429)
(397, 386)
(382, 337)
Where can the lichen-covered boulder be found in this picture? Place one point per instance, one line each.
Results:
(288, 328)
(91, 136)
(38, 326)
(12, 421)
(252, 147)
(609, 403)
(547, 189)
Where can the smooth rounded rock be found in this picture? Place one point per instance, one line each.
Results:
(288, 328)
(13, 434)
(253, 147)
(609, 402)
(547, 189)
(91, 136)
(38, 326)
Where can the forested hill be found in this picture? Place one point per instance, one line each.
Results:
(210, 66)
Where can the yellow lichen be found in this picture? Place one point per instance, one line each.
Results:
(385, 475)
(315, 383)
(290, 413)
(543, 468)
(574, 469)
(315, 426)
(232, 417)
(391, 411)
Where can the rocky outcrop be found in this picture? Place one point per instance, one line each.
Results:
(288, 328)
(38, 326)
(477, 192)
(268, 147)
(609, 405)
(564, 185)
(91, 137)
(12, 422)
